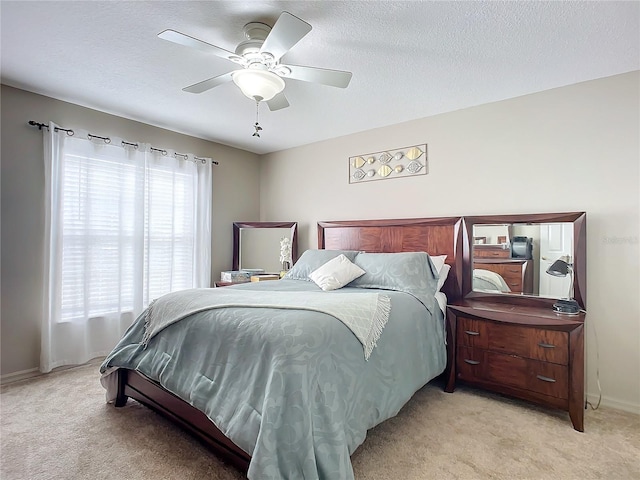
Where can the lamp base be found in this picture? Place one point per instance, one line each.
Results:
(566, 307)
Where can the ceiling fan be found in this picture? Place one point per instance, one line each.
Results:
(261, 76)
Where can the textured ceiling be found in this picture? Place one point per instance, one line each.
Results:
(409, 59)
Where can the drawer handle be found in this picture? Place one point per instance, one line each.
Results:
(474, 362)
(546, 379)
(470, 332)
(546, 345)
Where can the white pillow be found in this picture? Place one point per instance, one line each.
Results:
(438, 261)
(443, 276)
(336, 273)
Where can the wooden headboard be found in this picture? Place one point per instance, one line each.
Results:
(436, 236)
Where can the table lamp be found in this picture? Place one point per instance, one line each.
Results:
(565, 306)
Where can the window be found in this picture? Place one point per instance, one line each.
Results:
(125, 226)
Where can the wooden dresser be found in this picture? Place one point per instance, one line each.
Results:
(527, 352)
(516, 272)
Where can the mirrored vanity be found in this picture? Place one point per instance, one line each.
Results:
(256, 245)
(510, 255)
(513, 331)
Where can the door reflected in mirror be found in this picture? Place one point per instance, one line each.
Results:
(513, 258)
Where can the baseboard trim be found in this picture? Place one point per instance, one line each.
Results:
(8, 378)
(17, 376)
(613, 403)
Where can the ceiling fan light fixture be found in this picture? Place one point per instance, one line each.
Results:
(259, 85)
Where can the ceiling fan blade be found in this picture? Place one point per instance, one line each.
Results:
(209, 84)
(333, 78)
(187, 41)
(287, 31)
(278, 102)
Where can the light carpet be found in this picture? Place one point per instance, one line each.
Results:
(58, 426)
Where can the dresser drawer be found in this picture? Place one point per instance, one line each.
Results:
(542, 377)
(471, 363)
(534, 343)
(472, 333)
(474, 364)
(512, 275)
(490, 252)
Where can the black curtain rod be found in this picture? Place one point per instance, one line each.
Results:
(44, 125)
(108, 140)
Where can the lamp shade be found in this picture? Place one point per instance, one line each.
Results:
(259, 85)
(559, 268)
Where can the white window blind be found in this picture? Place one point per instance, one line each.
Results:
(124, 226)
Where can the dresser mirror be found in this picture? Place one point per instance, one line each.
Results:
(509, 256)
(256, 245)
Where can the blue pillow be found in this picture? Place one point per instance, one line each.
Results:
(410, 272)
(311, 260)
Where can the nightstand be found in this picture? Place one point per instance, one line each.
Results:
(527, 352)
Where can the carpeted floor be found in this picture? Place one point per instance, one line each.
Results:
(55, 431)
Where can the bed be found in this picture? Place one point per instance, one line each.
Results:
(282, 392)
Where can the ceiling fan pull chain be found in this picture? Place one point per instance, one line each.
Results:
(257, 125)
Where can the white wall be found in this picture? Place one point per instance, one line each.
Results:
(23, 205)
(505, 157)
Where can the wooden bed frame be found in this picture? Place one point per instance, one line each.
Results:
(437, 236)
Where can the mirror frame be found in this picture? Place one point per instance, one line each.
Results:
(292, 226)
(579, 220)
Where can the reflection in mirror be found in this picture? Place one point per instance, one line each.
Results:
(256, 245)
(513, 258)
(507, 257)
(260, 248)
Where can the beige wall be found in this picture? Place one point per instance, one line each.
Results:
(495, 158)
(23, 205)
(505, 157)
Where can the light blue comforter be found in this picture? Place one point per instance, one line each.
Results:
(291, 387)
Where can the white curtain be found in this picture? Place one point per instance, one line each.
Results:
(124, 225)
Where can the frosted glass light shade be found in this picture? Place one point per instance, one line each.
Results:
(259, 85)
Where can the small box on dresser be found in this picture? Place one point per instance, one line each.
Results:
(527, 352)
(235, 276)
(264, 277)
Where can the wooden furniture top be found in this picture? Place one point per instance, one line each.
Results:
(518, 314)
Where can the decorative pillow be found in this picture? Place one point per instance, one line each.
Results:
(410, 272)
(444, 273)
(336, 273)
(311, 260)
(438, 261)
